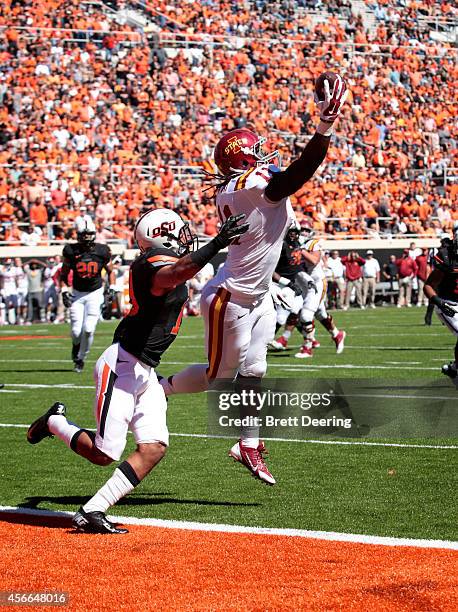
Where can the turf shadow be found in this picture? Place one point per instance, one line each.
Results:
(151, 499)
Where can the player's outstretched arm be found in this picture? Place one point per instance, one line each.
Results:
(284, 184)
(168, 277)
(431, 285)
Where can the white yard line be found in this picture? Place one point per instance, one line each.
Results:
(284, 366)
(294, 440)
(332, 536)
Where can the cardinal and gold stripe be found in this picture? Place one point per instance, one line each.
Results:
(216, 331)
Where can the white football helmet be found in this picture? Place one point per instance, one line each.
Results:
(163, 228)
(85, 230)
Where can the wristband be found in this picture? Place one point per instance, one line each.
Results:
(205, 253)
(283, 282)
(325, 128)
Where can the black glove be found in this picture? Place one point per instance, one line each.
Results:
(297, 290)
(444, 306)
(110, 295)
(311, 285)
(67, 298)
(230, 230)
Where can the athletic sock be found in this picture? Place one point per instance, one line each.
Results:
(63, 429)
(87, 339)
(334, 332)
(190, 380)
(123, 481)
(287, 334)
(246, 436)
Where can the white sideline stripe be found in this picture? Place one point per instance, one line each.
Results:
(295, 440)
(9, 391)
(283, 366)
(332, 536)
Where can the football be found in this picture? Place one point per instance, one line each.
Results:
(319, 83)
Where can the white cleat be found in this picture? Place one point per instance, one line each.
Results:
(339, 341)
(304, 353)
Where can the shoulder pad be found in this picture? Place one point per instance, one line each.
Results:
(68, 250)
(314, 244)
(159, 257)
(441, 260)
(256, 177)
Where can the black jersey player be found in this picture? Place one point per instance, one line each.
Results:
(441, 288)
(86, 259)
(290, 265)
(128, 395)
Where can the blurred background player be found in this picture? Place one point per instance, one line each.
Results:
(50, 285)
(86, 259)
(9, 289)
(119, 278)
(444, 241)
(289, 268)
(128, 395)
(314, 302)
(236, 305)
(195, 287)
(441, 288)
(22, 288)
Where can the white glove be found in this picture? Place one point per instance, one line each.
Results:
(333, 101)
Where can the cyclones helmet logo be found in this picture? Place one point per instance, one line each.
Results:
(234, 145)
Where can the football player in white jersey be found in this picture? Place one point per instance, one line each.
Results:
(314, 302)
(9, 288)
(22, 288)
(236, 304)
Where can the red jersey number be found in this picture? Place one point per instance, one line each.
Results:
(88, 269)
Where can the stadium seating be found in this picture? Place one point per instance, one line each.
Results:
(101, 117)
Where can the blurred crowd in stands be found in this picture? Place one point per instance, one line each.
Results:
(30, 290)
(103, 119)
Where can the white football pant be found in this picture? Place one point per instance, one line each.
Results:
(236, 339)
(450, 322)
(128, 397)
(84, 314)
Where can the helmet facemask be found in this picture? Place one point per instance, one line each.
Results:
(86, 238)
(263, 158)
(187, 242)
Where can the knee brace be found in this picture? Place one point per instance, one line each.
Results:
(292, 319)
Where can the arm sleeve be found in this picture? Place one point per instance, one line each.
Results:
(107, 255)
(284, 184)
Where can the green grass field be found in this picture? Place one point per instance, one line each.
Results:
(380, 490)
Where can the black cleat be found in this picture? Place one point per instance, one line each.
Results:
(79, 365)
(75, 351)
(450, 370)
(38, 431)
(95, 522)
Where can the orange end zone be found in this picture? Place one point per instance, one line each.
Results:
(171, 569)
